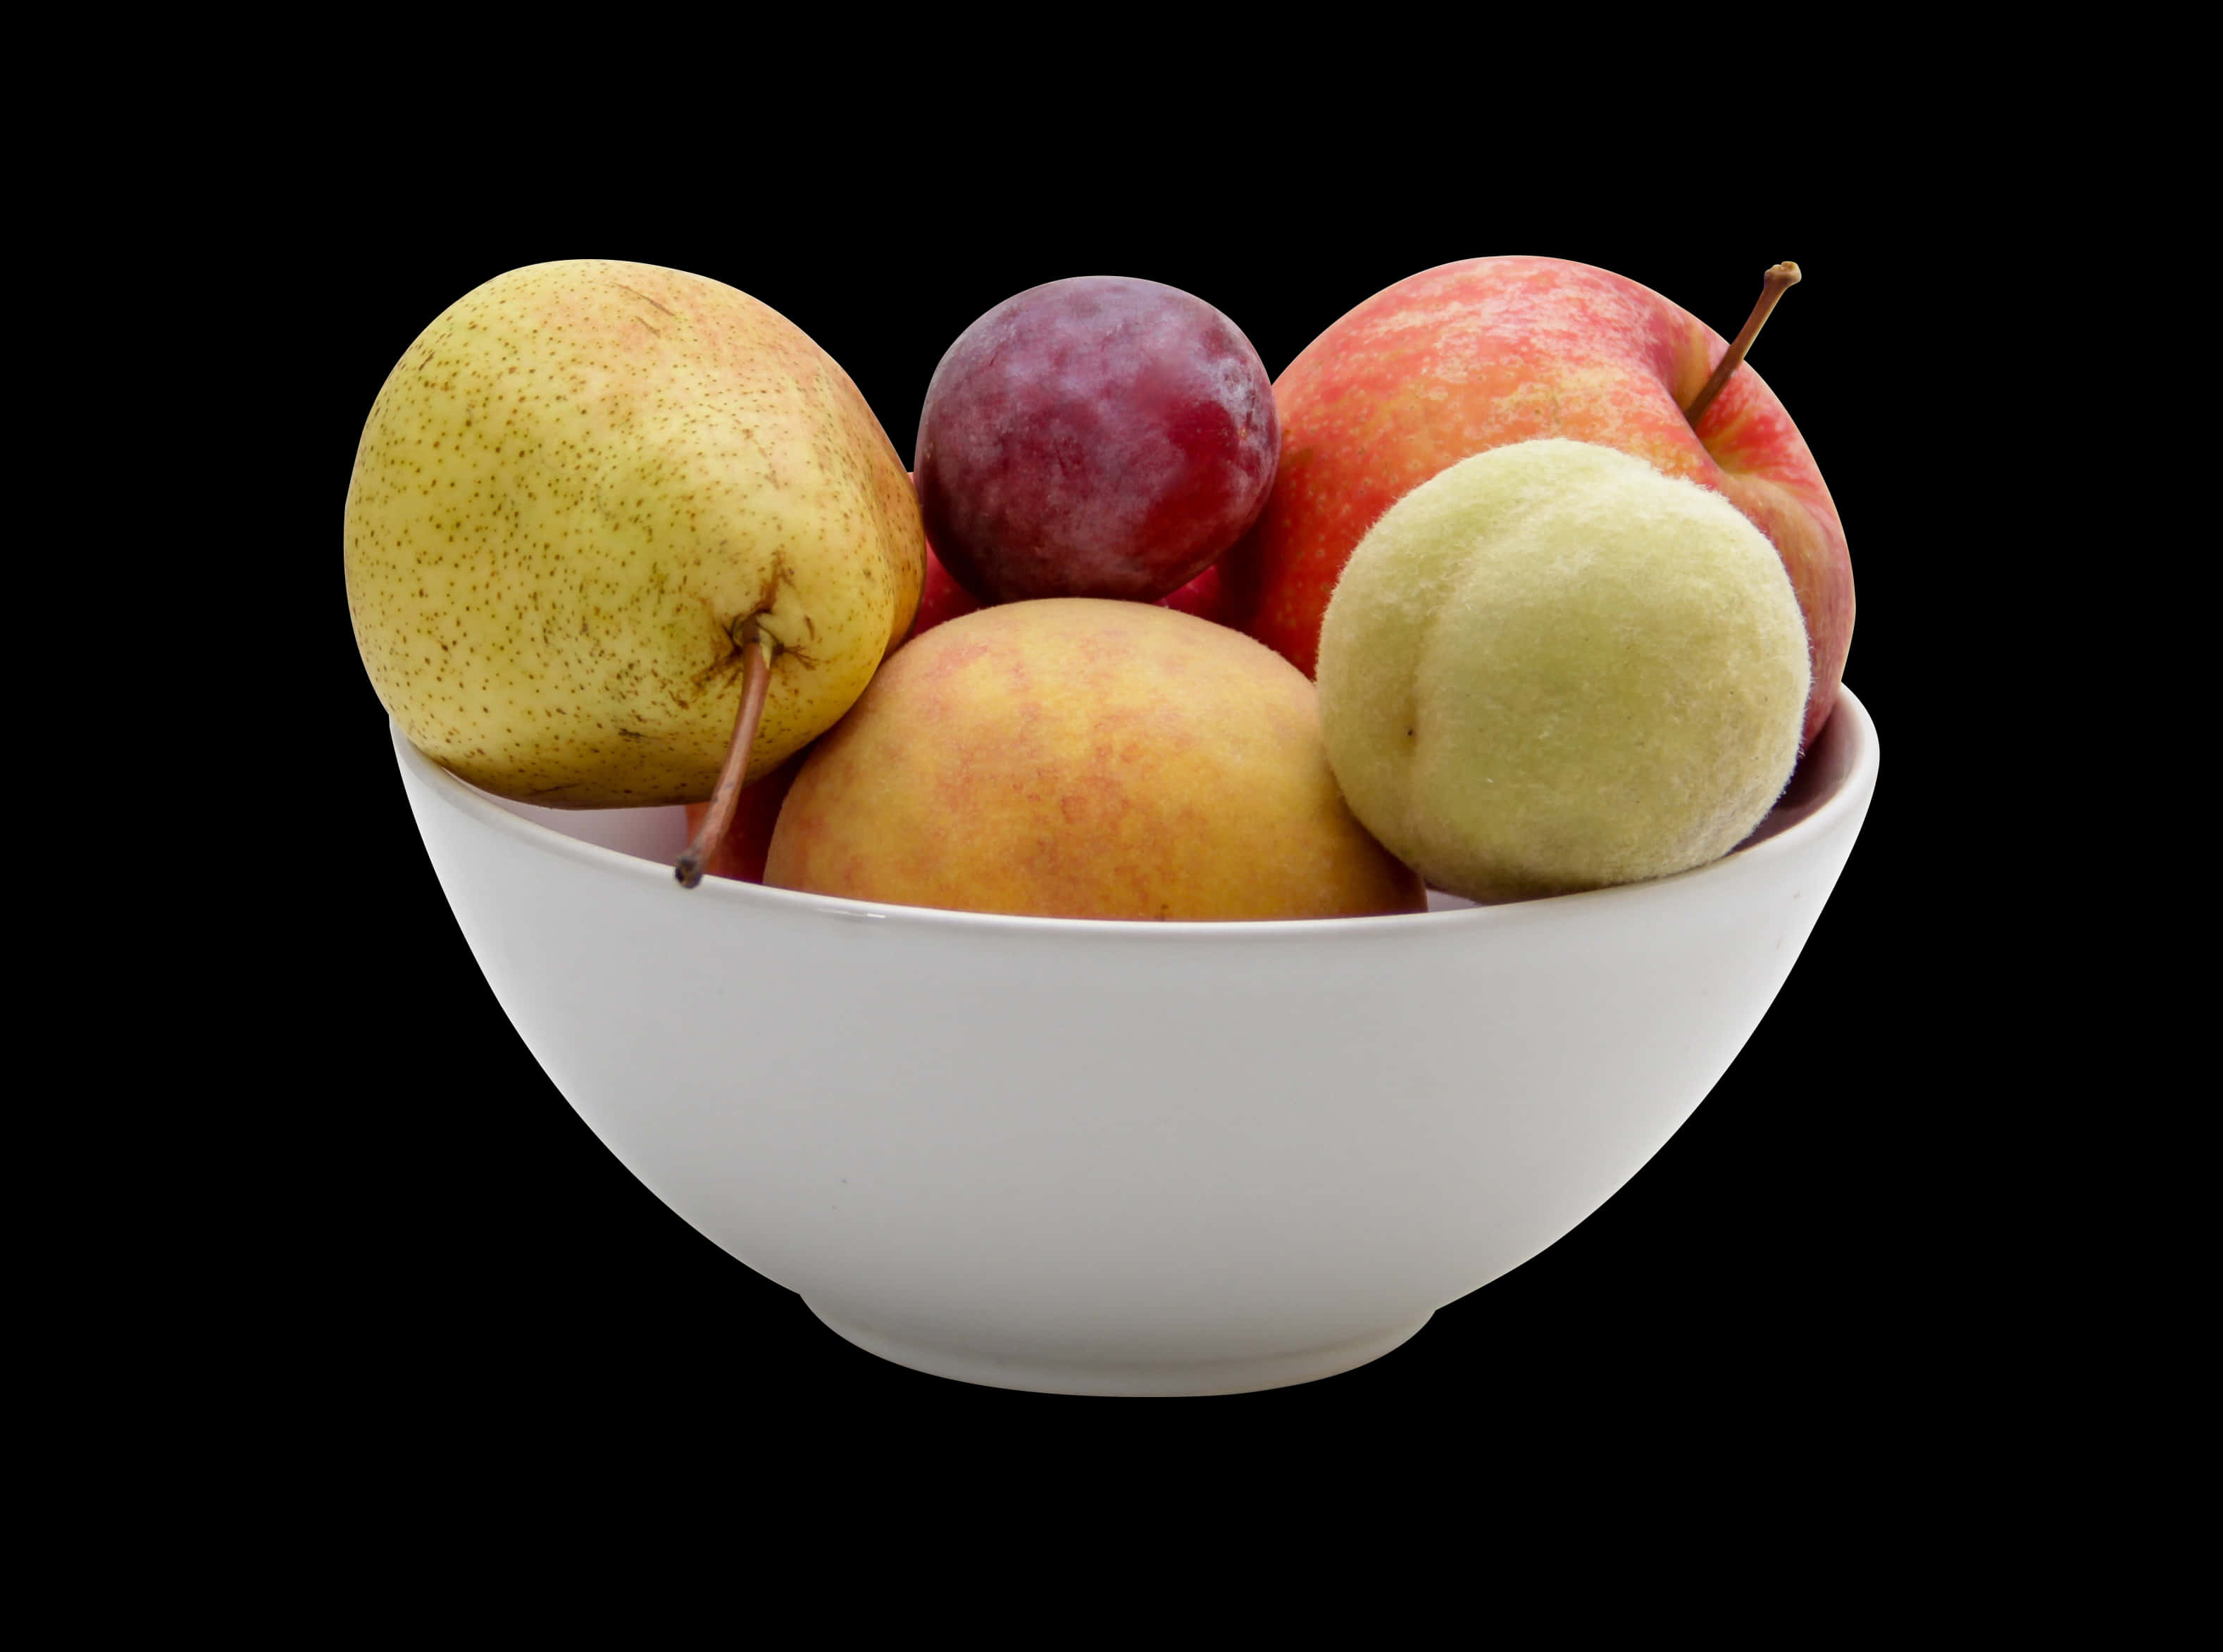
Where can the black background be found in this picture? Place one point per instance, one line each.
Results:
(473, 1250)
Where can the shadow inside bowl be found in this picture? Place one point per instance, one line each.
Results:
(1821, 773)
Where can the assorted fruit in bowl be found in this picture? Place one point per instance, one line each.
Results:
(1517, 582)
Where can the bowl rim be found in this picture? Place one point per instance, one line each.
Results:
(1848, 798)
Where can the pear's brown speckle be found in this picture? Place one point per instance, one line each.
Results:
(579, 482)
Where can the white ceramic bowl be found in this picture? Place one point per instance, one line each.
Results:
(1126, 1157)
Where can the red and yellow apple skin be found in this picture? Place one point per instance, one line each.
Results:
(1205, 596)
(1477, 354)
(740, 853)
(943, 599)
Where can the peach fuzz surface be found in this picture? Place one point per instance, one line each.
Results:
(1490, 351)
(1081, 758)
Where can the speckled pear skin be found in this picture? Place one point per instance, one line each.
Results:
(1551, 668)
(575, 490)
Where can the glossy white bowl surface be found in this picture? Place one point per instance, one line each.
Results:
(1126, 1157)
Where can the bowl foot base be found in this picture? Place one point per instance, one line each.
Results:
(1137, 1381)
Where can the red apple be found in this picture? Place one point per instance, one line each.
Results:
(740, 853)
(1205, 596)
(943, 598)
(1477, 354)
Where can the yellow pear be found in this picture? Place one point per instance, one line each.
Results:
(586, 487)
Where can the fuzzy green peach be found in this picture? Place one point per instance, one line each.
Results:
(1553, 668)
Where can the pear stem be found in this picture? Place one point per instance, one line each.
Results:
(1779, 281)
(756, 671)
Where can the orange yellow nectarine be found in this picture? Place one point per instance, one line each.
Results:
(1081, 758)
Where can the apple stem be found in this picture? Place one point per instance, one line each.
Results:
(756, 671)
(1779, 280)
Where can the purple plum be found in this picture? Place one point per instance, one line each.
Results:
(1100, 436)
